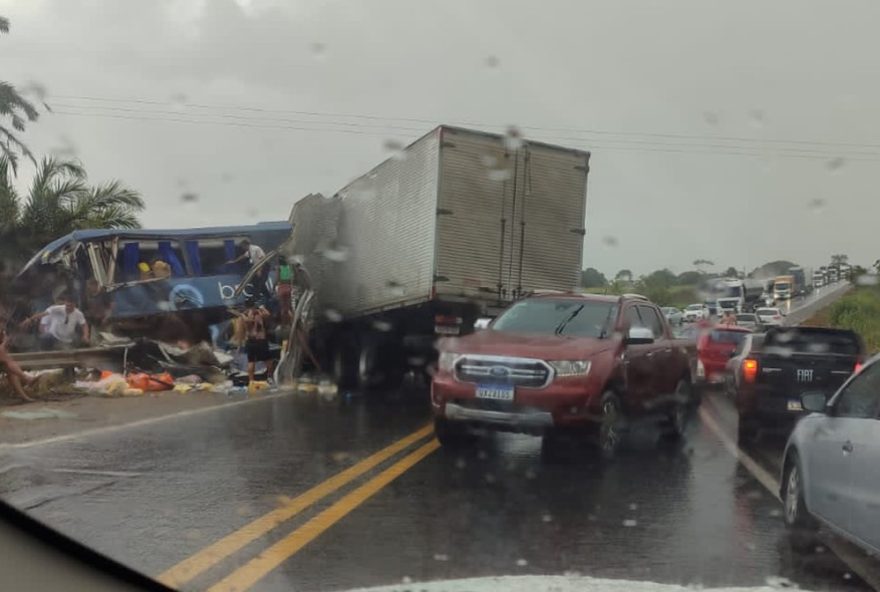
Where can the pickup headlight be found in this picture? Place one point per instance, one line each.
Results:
(571, 367)
(447, 361)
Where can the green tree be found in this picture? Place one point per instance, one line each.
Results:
(772, 269)
(59, 200)
(624, 275)
(661, 277)
(593, 278)
(15, 111)
(689, 278)
(839, 259)
(703, 264)
(731, 272)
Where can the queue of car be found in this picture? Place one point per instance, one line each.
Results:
(565, 364)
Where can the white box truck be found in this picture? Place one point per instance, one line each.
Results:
(453, 229)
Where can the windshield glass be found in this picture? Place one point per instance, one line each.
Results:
(815, 342)
(767, 311)
(573, 318)
(331, 295)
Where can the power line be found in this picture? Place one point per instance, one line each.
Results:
(476, 123)
(670, 148)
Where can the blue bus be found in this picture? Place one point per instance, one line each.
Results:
(200, 278)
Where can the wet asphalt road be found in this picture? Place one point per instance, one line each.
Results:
(152, 496)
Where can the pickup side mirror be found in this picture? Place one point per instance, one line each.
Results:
(639, 336)
(482, 323)
(814, 402)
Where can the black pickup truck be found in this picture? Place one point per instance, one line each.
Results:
(790, 362)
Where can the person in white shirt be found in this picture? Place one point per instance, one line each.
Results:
(64, 321)
(254, 254)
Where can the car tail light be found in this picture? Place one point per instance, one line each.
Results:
(857, 368)
(750, 369)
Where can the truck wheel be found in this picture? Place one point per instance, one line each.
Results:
(800, 523)
(344, 365)
(450, 434)
(610, 430)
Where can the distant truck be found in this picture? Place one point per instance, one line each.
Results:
(801, 284)
(737, 295)
(818, 278)
(845, 271)
(783, 287)
(833, 275)
(453, 229)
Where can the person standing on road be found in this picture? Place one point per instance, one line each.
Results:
(17, 378)
(257, 342)
(728, 319)
(64, 321)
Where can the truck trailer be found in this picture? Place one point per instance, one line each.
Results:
(451, 230)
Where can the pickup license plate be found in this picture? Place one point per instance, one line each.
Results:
(496, 392)
(795, 405)
(446, 330)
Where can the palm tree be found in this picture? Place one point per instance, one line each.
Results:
(59, 201)
(17, 110)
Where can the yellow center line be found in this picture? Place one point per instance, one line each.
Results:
(211, 555)
(257, 568)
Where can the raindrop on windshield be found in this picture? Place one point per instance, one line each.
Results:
(395, 288)
(441, 557)
(779, 582)
(460, 463)
(179, 100)
(382, 326)
(711, 118)
(867, 280)
(396, 149)
(817, 204)
(521, 562)
(513, 138)
(318, 49)
(406, 580)
(629, 523)
(489, 161)
(847, 576)
(338, 254)
(756, 118)
(252, 212)
(546, 518)
(332, 315)
(610, 241)
(189, 197)
(633, 507)
(835, 164)
(493, 61)
(499, 174)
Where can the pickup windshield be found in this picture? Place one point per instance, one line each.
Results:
(722, 336)
(548, 316)
(813, 341)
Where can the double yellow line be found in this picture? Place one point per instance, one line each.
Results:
(247, 575)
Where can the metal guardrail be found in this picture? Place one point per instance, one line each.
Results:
(71, 358)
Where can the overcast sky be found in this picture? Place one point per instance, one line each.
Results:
(740, 132)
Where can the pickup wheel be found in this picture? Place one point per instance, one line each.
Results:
(610, 432)
(679, 414)
(451, 435)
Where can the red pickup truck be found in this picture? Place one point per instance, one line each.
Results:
(553, 362)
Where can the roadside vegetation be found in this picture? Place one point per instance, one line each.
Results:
(860, 311)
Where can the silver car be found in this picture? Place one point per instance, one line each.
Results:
(673, 315)
(831, 467)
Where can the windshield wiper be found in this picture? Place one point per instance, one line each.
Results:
(561, 326)
(604, 332)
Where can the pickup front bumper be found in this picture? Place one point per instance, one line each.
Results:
(518, 420)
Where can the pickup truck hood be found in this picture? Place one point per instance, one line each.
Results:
(544, 347)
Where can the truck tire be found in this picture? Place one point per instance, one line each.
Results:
(344, 365)
(801, 525)
(610, 429)
(451, 435)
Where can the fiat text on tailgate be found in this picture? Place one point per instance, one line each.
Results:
(559, 363)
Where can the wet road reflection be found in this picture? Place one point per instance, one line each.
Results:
(682, 513)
